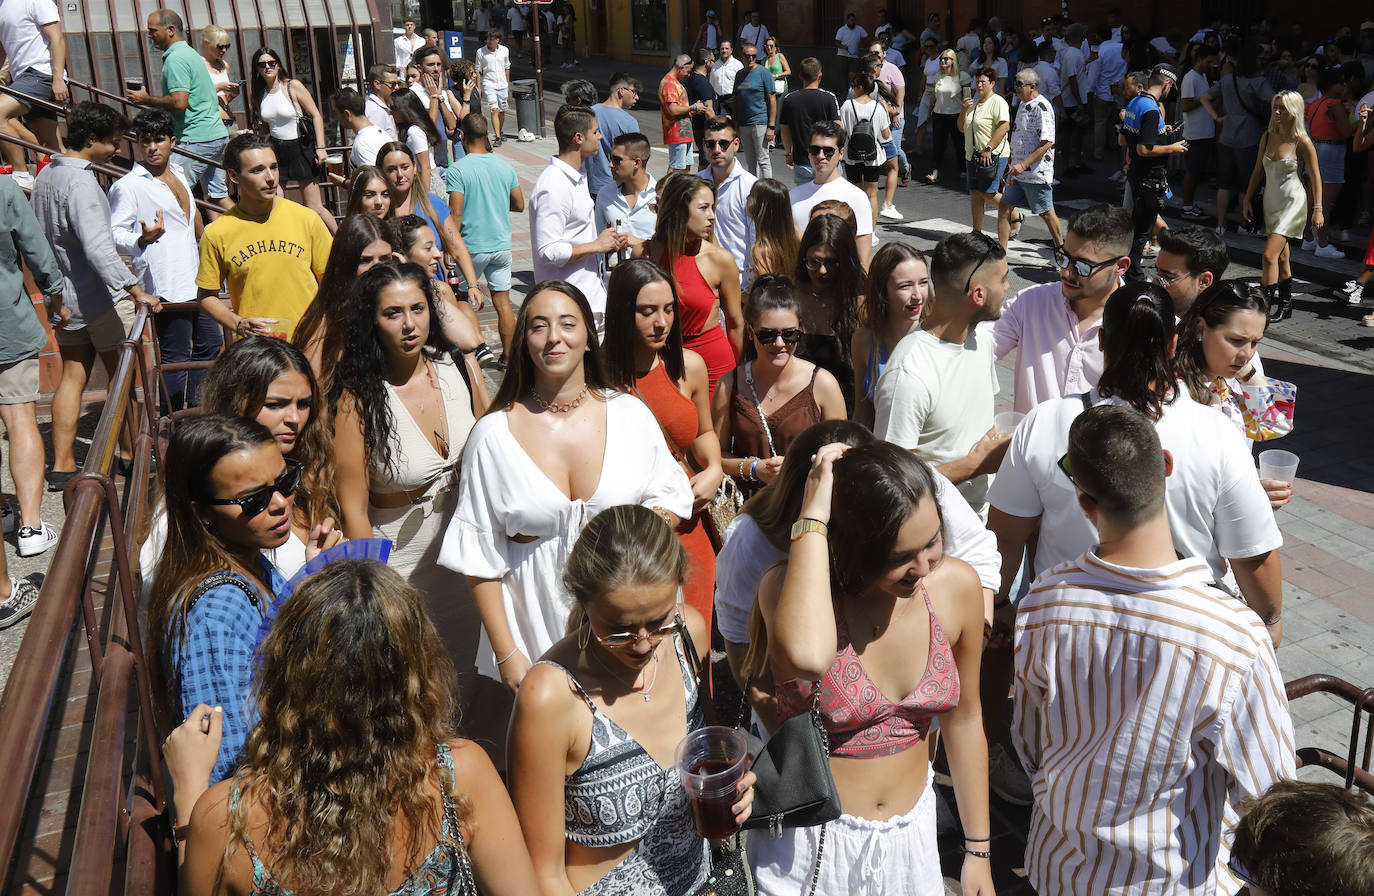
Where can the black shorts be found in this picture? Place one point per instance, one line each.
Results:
(1234, 166)
(1198, 158)
(292, 165)
(862, 174)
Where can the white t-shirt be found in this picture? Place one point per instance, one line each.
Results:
(850, 37)
(852, 112)
(21, 34)
(492, 65)
(937, 398)
(516, 18)
(752, 34)
(1071, 65)
(366, 144)
(418, 143)
(1217, 507)
(1197, 124)
(808, 196)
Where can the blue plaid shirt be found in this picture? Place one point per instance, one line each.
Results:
(214, 663)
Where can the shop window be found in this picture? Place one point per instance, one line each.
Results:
(649, 25)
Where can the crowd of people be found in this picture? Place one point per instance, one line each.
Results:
(725, 412)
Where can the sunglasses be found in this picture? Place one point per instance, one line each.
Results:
(815, 264)
(625, 639)
(256, 501)
(1020, 83)
(717, 144)
(1236, 867)
(222, 46)
(1064, 467)
(268, 63)
(826, 151)
(751, 55)
(790, 336)
(1081, 266)
(616, 160)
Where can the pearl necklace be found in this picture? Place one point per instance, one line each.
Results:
(555, 407)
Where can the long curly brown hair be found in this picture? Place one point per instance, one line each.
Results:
(354, 691)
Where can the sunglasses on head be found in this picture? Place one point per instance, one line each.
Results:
(827, 151)
(790, 336)
(717, 144)
(1081, 266)
(256, 501)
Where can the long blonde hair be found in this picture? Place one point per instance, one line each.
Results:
(1294, 106)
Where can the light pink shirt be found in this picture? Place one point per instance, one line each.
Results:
(1053, 359)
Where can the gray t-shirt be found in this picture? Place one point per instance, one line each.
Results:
(1242, 126)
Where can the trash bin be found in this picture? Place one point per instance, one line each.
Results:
(526, 105)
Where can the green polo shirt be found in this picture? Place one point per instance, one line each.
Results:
(184, 71)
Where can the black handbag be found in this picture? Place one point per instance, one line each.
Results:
(795, 788)
(305, 135)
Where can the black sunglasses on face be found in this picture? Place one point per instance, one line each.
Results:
(1236, 867)
(223, 46)
(717, 144)
(1081, 266)
(827, 151)
(256, 501)
(790, 336)
(1020, 83)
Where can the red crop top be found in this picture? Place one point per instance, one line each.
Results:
(861, 721)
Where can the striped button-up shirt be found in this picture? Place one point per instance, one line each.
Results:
(1148, 705)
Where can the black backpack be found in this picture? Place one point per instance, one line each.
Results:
(863, 142)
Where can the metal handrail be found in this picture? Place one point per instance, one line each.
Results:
(107, 812)
(1352, 767)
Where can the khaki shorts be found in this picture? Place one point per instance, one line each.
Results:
(105, 333)
(19, 381)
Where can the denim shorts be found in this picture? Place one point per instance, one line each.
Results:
(1036, 198)
(1331, 160)
(495, 266)
(679, 156)
(210, 177)
(496, 98)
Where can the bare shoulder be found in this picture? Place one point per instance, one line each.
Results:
(471, 765)
(956, 594)
(212, 809)
(696, 627)
(546, 691)
(692, 364)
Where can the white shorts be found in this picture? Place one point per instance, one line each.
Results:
(496, 98)
(897, 857)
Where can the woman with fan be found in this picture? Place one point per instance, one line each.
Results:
(392, 801)
(870, 612)
(403, 412)
(270, 381)
(598, 719)
(229, 494)
(645, 357)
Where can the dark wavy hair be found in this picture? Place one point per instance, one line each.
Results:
(257, 84)
(1137, 327)
(408, 113)
(519, 378)
(1212, 309)
(771, 292)
(834, 232)
(355, 638)
(361, 371)
(622, 292)
(877, 486)
(356, 233)
(237, 384)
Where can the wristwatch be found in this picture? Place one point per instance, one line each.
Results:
(805, 525)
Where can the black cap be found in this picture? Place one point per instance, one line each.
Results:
(1165, 70)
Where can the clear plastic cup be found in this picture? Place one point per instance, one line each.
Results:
(711, 761)
(1278, 464)
(1005, 422)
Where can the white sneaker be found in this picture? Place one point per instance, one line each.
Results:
(1353, 290)
(1328, 251)
(1309, 245)
(525, 136)
(1007, 779)
(35, 541)
(23, 179)
(875, 241)
(890, 213)
(18, 606)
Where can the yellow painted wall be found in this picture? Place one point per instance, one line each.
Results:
(619, 34)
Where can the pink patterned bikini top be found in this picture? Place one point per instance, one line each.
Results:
(861, 721)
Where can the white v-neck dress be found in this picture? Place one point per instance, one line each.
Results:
(503, 494)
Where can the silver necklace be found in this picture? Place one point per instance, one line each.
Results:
(647, 690)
